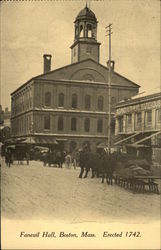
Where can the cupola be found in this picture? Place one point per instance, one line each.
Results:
(85, 39)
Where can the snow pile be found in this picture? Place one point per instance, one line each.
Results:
(37, 192)
(132, 168)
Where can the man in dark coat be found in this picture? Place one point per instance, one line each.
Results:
(83, 159)
(107, 165)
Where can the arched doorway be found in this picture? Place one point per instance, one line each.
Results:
(73, 146)
(86, 145)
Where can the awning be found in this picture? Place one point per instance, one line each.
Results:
(102, 145)
(46, 140)
(44, 149)
(148, 137)
(28, 140)
(11, 147)
(137, 145)
(127, 138)
(61, 140)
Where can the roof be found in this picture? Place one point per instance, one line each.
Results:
(148, 92)
(53, 74)
(86, 13)
(147, 95)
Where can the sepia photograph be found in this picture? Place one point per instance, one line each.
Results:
(80, 124)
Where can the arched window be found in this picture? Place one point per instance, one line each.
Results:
(99, 126)
(74, 101)
(48, 99)
(87, 102)
(89, 30)
(60, 123)
(73, 124)
(81, 31)
(87, 125)
(61, 100)
(46, 122)
(100, 103)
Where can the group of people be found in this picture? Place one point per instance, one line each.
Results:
(102, 164)
(58, 158)
(16, 155)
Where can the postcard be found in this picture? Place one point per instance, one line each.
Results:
(80, 124)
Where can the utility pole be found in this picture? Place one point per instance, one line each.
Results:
(108, 30)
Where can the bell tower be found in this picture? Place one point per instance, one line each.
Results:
(85, 39)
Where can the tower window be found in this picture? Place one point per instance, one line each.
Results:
(60, 123)
(46, 122)
(87, 102)
(87, 125)
(99, 126)
(89, 30)
(73, 124)
(48, 99)
(81, 31)
(74, 101)
(100, 103)
(61, 100)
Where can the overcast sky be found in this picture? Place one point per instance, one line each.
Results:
(31, 28)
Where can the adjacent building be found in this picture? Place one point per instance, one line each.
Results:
(5, 124)
(70, 104)
(138, 124)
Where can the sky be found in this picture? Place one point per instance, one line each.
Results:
(30, 29)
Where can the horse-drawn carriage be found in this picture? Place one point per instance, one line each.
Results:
(52, 158)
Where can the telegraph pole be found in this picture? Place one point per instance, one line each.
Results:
(108, 30)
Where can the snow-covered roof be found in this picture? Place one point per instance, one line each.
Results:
(147, 92)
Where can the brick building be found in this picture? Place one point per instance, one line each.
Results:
(70, 104)
(138, 123)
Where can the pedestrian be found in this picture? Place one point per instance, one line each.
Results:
(82, 161)
(8, 157)
(74, 163)
(27, 158)
(68, 160)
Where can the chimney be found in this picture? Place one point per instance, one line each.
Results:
(47, 63)
(112, 65)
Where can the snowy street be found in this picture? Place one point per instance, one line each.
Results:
(37, 192)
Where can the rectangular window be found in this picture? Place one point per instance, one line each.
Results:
(129, 118)
(47, 122)
(138, 117)
(47, 99)
(121, 124)
(159, 115)
(149, 116)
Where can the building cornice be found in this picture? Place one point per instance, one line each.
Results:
(89, 41)
(62, 110)
(83, 82)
